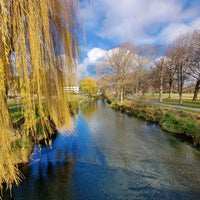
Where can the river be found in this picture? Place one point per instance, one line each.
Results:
(110, 156)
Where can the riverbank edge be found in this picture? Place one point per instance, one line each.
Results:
(183, 124)
(23, 147)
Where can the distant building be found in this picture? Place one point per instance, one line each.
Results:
(72, 88)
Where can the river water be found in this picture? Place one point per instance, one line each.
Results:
(110, 156)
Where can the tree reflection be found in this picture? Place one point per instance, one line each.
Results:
(88, 109)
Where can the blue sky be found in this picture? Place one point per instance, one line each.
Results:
(109, 23)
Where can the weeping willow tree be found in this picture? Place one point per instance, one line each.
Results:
(35, 33)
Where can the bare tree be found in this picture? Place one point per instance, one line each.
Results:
(195, 61)
(159, 72)
(143, 58)
(170, 70)
(117, 64)
(181, 49)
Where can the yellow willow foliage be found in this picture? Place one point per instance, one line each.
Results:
(37, 33)
(8, 171)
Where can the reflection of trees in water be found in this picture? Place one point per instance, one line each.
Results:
(88, 109)
(49, 178)
(59, 183)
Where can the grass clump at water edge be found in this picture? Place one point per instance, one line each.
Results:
(181, 123)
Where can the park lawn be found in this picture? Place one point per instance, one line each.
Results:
(187, 99)
(15, 102)
(155, 96)
(16, 106)
(186, 102)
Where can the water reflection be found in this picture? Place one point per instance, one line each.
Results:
(112, 156)
(88, 109)
(50, 172)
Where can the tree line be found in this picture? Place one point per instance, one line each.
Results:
(130, 69)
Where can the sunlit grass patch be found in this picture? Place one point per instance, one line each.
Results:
(174, 100)
(14, 102)
(16, 113)
(188, 103)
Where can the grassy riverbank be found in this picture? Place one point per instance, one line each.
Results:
(182, 123)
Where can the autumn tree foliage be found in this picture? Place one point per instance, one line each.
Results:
(89, 86)
(33, 35)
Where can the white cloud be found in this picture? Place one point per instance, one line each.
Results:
(172, 31)
(94, 56)
(142, 21)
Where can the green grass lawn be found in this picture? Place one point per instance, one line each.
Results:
(15, 106)
(187, 99)
(15, 102)
(186, 102)
(16, 113)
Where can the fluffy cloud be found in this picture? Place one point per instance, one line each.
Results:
(86, 68)
(95, 55)
(109, 23)
(169, 33)
(142, 21)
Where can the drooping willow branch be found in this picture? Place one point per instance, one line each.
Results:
(37, 33)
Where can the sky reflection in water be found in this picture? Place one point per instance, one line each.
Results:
(111, 156)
